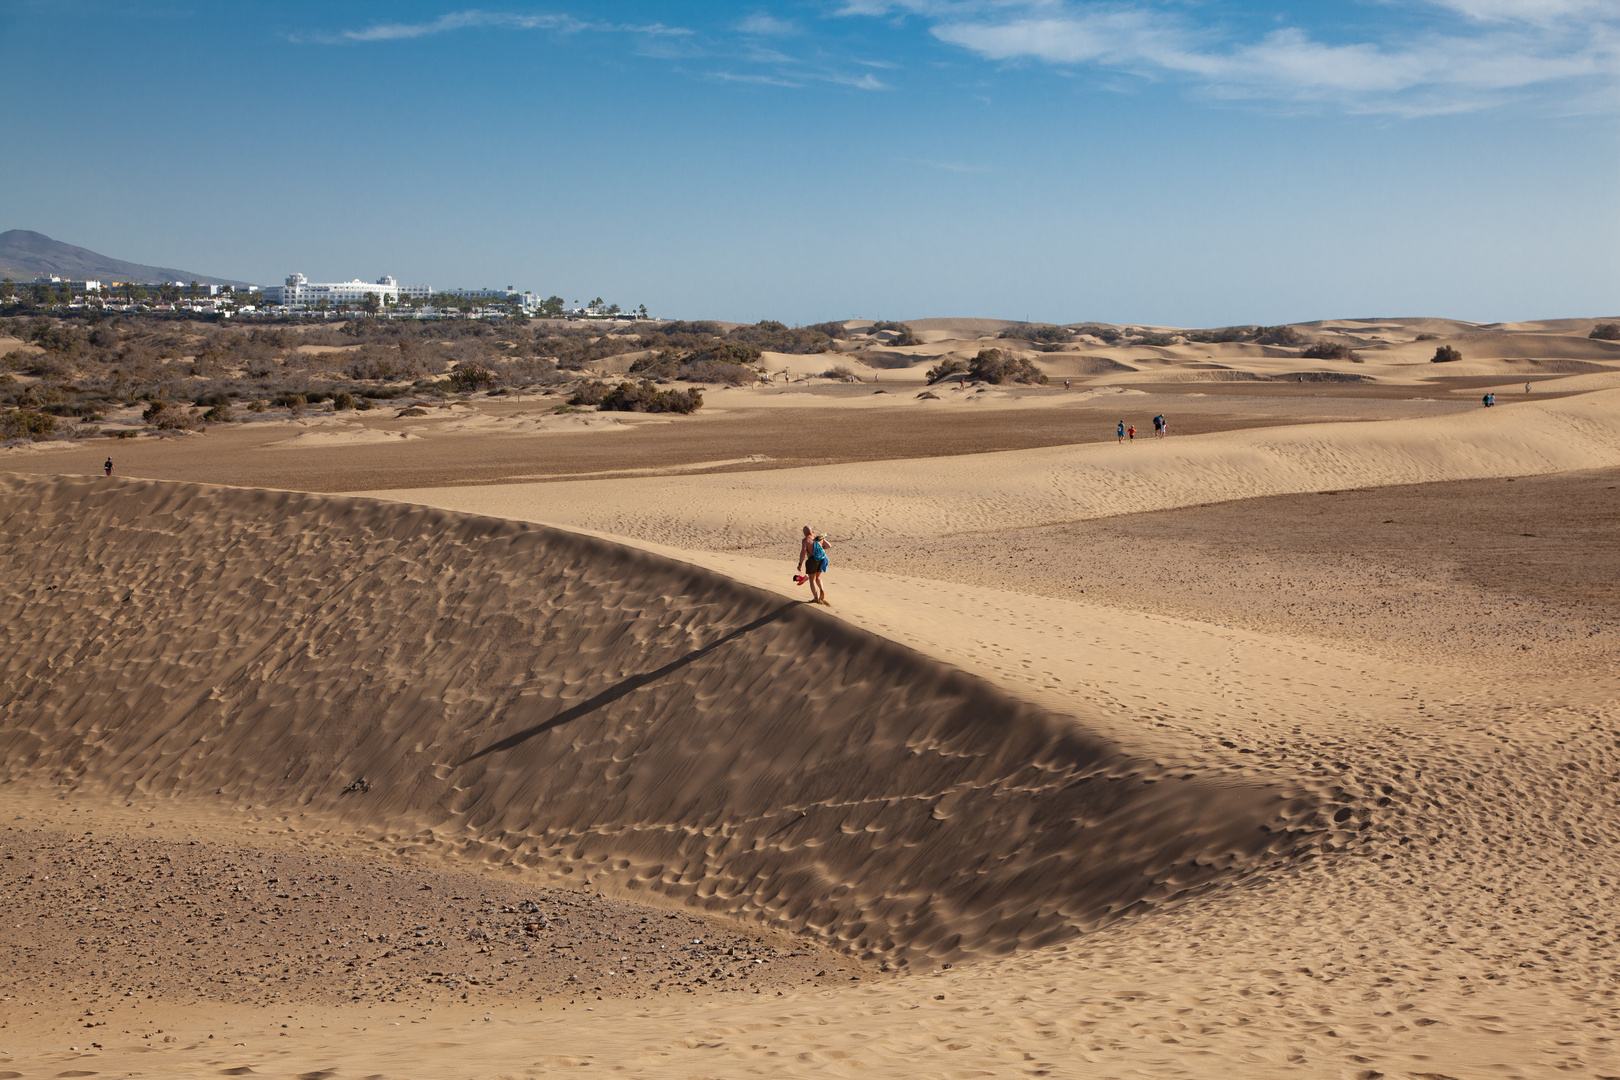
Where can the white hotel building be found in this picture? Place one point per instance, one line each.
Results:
(300, 291)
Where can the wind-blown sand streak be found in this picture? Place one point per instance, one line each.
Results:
(524, 695)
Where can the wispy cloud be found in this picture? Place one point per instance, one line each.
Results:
(797, 79)
(757, 80)
(466, 20)
(1494, 50)
(761, 24)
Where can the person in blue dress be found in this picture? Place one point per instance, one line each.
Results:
(813, 561)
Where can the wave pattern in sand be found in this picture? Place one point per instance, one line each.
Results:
(524, 695)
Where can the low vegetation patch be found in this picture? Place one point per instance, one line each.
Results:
(642, 397)
(1445, 354)
(1605, 331)
(996, 366)
(1329, 350)
(26, 424)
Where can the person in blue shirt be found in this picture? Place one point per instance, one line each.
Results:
(813, 561)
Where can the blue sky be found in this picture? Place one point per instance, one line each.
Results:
(1161, 161)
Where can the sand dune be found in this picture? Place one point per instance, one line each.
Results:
(520, 695)
(1022, 488)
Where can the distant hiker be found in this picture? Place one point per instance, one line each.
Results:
(961, 384)
(813, 561)
(1131, 431)
(1066, 384)
(1158, 427)
(1121, 431)
(1527, 386)
(108, 466)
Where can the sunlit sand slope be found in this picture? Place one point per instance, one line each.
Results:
(525, 695)
(1021, 488)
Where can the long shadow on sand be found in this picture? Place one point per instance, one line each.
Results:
(628, 686)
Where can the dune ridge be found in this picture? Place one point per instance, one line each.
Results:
(1014, 489)
(524, 695)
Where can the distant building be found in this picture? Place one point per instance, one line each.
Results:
(527, 300)
(76, 286)
(300, 291)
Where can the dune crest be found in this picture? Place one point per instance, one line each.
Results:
(520, 694)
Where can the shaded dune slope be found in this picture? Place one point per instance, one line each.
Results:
(518, 694)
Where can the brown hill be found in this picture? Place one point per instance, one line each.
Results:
(26, 255)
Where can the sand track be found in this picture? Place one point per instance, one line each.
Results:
(521, 695)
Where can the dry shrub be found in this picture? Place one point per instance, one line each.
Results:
(1279, 335)
(26, 424)
(638, 397)
(995, 366)
(1329, 350)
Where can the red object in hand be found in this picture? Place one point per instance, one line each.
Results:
(799, 579)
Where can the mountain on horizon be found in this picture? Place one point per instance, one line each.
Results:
(26, 255)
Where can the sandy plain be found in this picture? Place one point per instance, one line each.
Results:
(1283, 746)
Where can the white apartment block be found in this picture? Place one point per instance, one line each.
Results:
(299, 291)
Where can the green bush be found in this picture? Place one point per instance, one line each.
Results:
(342, 401)
(154, 410)
(728, 352)
(218, 414)
(995, 366)
(1146, 338)
(1102, 333)
(26, 424)
(1224, 335)
(645, 397)
(1445, 354)
(591, 393)
(1279, 335)
(727, 362)
(1046, 335)
(951, 365)
(662, 366)
(717, 372)
(1605, 331)
(469, 377)
(1328, 350)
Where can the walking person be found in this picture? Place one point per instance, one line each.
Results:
(108, 466)
(1121, 431)
(1158, 427)
(813, 561)
(1131, 432)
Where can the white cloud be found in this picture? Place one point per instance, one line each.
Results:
(762, 25)
(462, 20)
(1510, 47)
(1535, 11)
